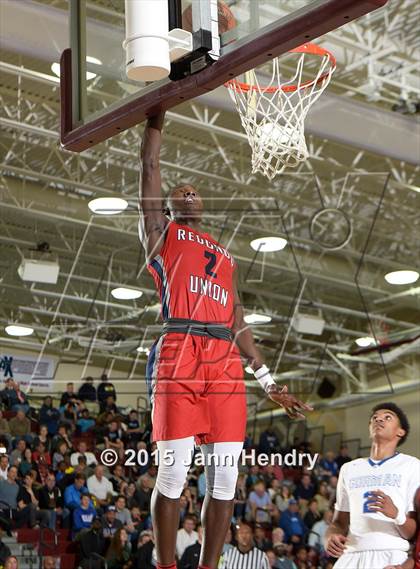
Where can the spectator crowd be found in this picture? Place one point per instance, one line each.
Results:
(51, 476)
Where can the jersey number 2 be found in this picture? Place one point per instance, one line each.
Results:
(210, 264)
(368, 500)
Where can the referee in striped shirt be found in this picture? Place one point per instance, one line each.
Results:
(245, 555)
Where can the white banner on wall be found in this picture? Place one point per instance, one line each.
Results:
(21, 368)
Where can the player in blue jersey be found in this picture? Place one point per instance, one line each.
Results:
(374, 512)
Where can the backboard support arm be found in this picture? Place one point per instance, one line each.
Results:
(78, 64)
(175, 14)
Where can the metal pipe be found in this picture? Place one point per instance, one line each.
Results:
(34, 346)
(45, 312)
(146, 290)
(54, 180)
(48, 293)
(339, 309)
(410, 292)
(59, 295)
(65, 252)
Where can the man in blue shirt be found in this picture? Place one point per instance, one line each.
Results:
(292, 524)
(260, 507)
(84, 515)
(328, 465)
(85, 421)
(9, 488)
(73, 493)
(318, 531)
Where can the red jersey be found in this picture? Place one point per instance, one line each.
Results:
(194, 277)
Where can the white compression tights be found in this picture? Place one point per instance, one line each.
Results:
(221, 467)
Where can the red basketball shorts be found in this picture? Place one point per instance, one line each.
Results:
(196, 389)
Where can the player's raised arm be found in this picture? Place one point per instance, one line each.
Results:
(152, 222)
(245, 342)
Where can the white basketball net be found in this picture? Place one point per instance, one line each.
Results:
(273, 115)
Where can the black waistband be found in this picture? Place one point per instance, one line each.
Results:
(197, 328)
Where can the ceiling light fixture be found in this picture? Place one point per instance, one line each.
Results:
(55, 67)
(93, 60)
(107, 206)
(257, 318)
(402, 277)
(17, 330)
(365, 341)
(268, 244)
(122, 293)
(143, 350)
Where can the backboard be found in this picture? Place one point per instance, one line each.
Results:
(103, 103)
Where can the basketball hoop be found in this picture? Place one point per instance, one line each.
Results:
(273, 116)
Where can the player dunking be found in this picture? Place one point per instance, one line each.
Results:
(194, 369)
(374, 511)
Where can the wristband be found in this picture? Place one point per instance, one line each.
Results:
(262, 375)
(400, 519)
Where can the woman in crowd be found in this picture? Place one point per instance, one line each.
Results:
(130, 495)
(322, 497)
(283, 498)
(11, 563)
(118, 480)
(313, 514)
(186, 505)
(119, 552)
(43, 437)
(61, 451)
(26, 464)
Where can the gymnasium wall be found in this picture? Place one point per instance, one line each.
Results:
(127, 389)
